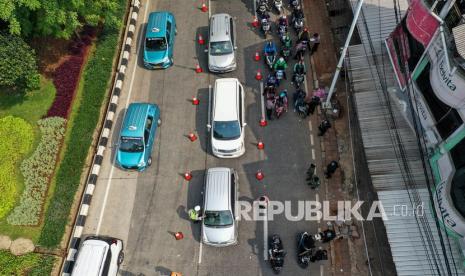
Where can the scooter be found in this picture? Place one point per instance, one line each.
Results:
(281, 104)
(300, 106)
(276, 253)
(282, 31)
(266, 26)
(305, 247)
(325, 236)
(298, 79)
(279, 76)
(298, 24)
(270, 54)
(278, 4)
(262, 8)
(294, 4)
(286, 52)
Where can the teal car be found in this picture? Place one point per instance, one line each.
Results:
(137, 136)
(159, 40)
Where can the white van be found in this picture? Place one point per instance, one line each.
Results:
(99, 256)
(219, 225)
(228, 118)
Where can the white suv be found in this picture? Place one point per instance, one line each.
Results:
(228, 118)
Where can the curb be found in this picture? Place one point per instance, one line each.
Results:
(103, 140)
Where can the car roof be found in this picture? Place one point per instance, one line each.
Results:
(217, 189)
(91, 258)
(134, 120)
(156, 25)
(219, 27)
(226, 100)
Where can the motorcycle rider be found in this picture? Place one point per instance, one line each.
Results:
(299, 68)
(286, 40)
(262, 8)
(297, 13)
(282, 20)
(304, 36)
(300, 50)
(281, 64)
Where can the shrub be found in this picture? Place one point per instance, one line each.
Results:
(18, 65)
(96, 77)
(17, 137)
(37, 171)
(28, 264)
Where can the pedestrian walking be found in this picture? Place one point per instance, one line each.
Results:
(194, 214)
(331, 168)
(269, 108)
(314, 43)
(323, 127)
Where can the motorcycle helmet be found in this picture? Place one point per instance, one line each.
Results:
(283, 94)
(197, 208)
(317, 237)
(281, 59)
(284, 17)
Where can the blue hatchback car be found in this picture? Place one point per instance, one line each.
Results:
(137, 136)
(159, 40)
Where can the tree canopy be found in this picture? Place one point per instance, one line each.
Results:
(58, 18)
(18, 65)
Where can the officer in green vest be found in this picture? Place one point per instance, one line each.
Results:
(194, 214)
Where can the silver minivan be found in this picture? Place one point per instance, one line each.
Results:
(222, 44)
(219, 224)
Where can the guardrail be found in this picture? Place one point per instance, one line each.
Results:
(91, 181)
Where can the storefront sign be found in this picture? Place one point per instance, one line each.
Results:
(445, 210)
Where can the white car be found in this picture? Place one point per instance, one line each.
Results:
(228, 118)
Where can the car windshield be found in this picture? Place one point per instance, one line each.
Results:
(131, 144)
(228, 130)
(218, 218)
(155, 44)
(221, 48)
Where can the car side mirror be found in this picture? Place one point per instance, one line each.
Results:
(244, 124)
(209, 127)
(206, 50)
(235, 47)
(237, 218)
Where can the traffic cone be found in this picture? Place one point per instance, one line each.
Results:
(259, 175)
(258, 76)
(263, 122)
(204, 7)
(176, 273)
(192, 137)
(188, 176)
(257, 56)
(255, 22)
(178, 236)
(201, 40)
(198, 69)
(195, 101)
(260, 145)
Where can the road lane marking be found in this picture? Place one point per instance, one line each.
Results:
(310, 125)
(209, 105)
(317, 199)
(322, 269)
(209, 9)
(313, 154)
(311, 139)
(265, 236)
(262, 99)
(107, 190)
(200, 252)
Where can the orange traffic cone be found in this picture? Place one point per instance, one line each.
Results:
(204, 7)
(201, 40)
(188, 176)
(263, 122)
(259, 175)
(257, 56)
(260, 145)
(192, 137)
(255, 22)
(195, 101)
(258, 76)
(198, 69)
(178, 236)
(176, 273)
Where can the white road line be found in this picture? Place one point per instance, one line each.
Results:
(313, 154)
(209, 104)
(311, 139)
(317, 199)
(209, 9)
(262, 99)
(322, 270)
(265, 236)
(200, 252)
(310, 125)
(110, 177)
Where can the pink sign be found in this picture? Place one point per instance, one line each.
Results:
(421, 24)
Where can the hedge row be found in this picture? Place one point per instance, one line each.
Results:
(17, 138)
(96, 77)
(37, 171)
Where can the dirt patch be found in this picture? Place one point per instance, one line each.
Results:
(51, 52)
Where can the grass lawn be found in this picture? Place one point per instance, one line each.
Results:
(30, 106)
(30, 264)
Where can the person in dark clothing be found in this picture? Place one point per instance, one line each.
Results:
(331, 168)
(315, 101)
(319, 255)
(323, 127)
(314, 43)
(304, 36)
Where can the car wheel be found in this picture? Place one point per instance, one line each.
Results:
(159, 122)
(120, 257)
(149, 161)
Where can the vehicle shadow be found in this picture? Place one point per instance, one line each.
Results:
(139, 48)
(201, 55)
(117, 123)
(195, 197)
(201, 119)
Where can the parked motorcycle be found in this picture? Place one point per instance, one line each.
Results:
(278, 4)
(276, 253)
(305, 248)
(325, 236)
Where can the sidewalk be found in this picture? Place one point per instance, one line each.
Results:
(323, 63)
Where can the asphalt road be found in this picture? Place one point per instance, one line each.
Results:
(144, 209)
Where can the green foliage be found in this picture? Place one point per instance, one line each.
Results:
(17, 139)
(18, 65)
(96, 77)
(28, 264)
(37, 171)
(56, 18)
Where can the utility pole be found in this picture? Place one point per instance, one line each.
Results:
(327, 104)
